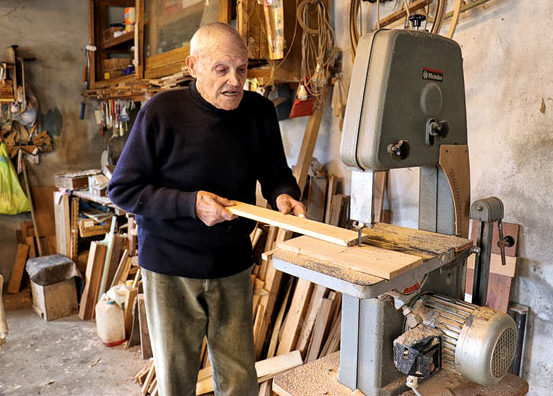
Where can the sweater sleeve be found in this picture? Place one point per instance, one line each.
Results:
(275, 177)
(133, 185)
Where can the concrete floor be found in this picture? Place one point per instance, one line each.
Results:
(61, 357)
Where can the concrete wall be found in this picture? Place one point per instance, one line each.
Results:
(55, 33)
(507, 52)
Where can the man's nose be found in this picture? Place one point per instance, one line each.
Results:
(235, 79)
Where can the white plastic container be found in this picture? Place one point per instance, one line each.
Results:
(110, 322)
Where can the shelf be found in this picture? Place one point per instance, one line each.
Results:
(118, 40)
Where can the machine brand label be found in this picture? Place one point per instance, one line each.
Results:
(432, 74)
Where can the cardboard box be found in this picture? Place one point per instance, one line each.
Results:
(55, 301)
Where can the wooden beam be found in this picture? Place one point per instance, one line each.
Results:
(315, 229)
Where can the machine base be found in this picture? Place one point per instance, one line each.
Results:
(321, 378)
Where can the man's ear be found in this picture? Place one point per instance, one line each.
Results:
(192, 64)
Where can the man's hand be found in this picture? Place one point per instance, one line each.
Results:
(288, 205)
(210, 208)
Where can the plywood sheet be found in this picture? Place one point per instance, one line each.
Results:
(325, 232)
(370, 260)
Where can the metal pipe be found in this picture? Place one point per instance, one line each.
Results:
(519, 313)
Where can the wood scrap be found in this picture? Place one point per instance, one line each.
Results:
(278, 323)
(18, 268)
(145, 344)
(310, 317)
(93, 277)
(321, 324)
(295, 317)
(266, 369)
(322, 231)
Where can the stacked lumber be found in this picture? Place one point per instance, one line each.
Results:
(305, 317)
(109, 263)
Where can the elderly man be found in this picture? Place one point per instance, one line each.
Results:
(191, 151)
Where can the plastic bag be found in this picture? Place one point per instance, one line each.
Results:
(12, 198)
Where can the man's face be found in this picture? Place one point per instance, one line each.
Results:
(220, 70)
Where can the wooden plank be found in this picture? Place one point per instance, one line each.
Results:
(32, 249)
(308, 143)
(321, 325)
(123, 268)
(44, 209)
(310, 317)
(331, 190)
(93, 277)
(370, 260)
(380, 184)
(145, 344)
(454, 160)
(63, 228)
(149, 379)
(18, 268)
(266, 369)
(496, 267)
(416, 242)
(499, 290)
(116, 252)
(332, 342)
(322, 231)
(130, 297)
(316, 198)
(295, 317)
(278, 323)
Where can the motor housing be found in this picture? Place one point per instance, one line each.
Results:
(476, 342)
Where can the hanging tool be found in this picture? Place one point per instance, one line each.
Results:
(86, 75)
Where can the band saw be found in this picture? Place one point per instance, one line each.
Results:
(405, 109)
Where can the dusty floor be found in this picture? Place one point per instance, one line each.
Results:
(61, 357)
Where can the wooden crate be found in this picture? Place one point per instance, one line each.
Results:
(88, 227)
(55, 301)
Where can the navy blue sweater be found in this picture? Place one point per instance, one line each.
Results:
(181, 144)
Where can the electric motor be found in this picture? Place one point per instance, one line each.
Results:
(476, 342)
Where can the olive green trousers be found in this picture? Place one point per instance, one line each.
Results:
(181, 311)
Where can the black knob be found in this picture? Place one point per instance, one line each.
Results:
(417, 20)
